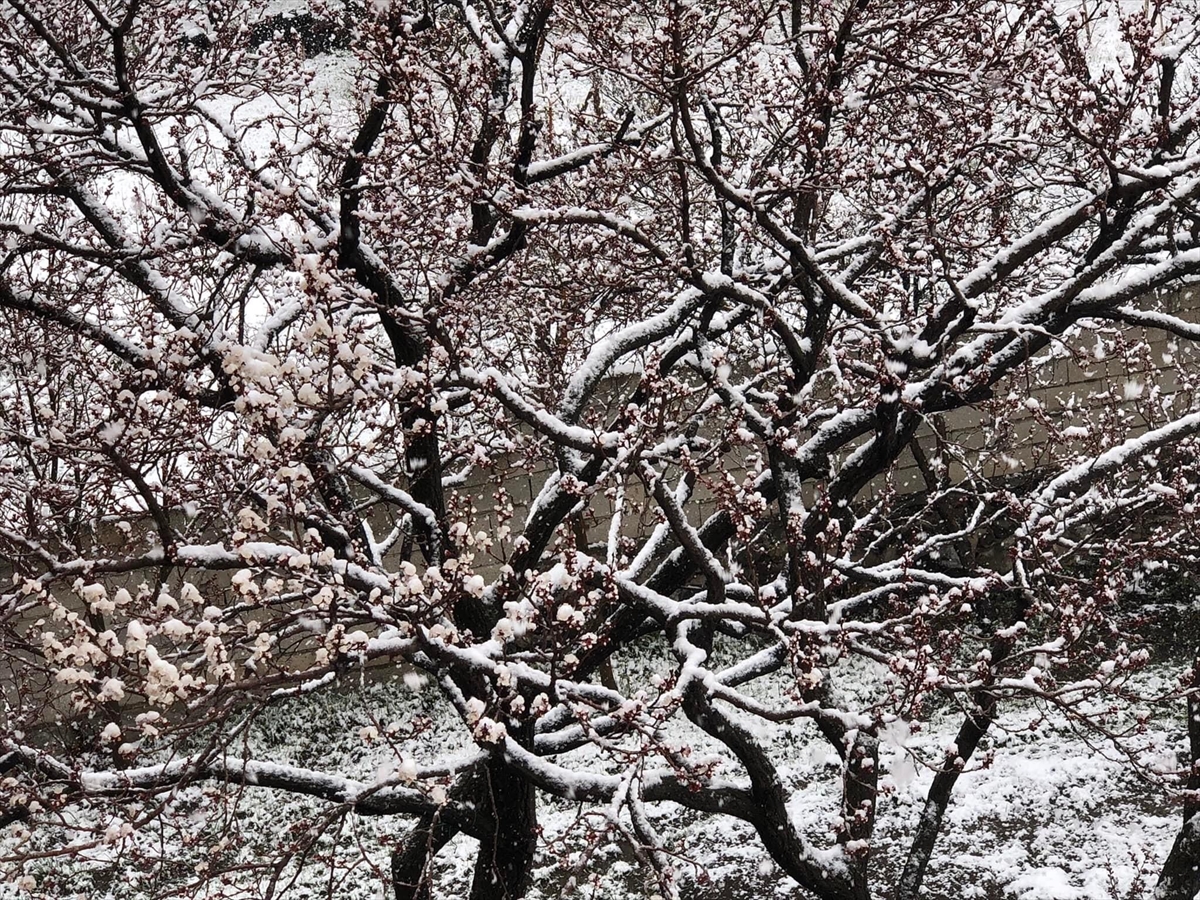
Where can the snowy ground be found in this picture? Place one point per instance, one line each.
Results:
(1050, 817)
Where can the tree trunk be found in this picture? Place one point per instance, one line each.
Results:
(504, 866)
(860, 793)
(411, 863)
(1180, 878)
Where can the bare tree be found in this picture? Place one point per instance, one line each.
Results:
(743, 323)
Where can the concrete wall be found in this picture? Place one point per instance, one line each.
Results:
(1093, 376)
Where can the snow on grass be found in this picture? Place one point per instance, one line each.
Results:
(1049, 818)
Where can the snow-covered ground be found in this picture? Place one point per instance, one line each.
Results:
(1049, 817)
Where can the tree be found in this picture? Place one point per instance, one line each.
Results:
(714, 275)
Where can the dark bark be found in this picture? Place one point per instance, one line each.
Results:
(348, 535)
(422, 450)
(411, 863)
(860, 794)
(504, 865)
(1180, 878)
(769, 797)
(972, 730)
(502, 816)
(929, 826)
